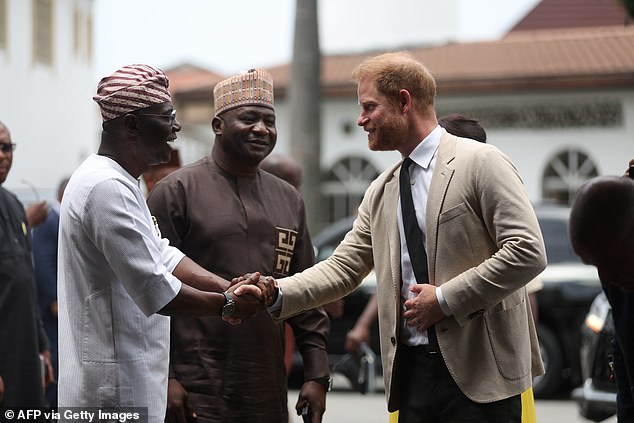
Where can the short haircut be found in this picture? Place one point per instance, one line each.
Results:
(395, 71)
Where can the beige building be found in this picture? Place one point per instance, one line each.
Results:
(559, 102)
(46, 63)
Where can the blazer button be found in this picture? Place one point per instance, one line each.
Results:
(393, 341)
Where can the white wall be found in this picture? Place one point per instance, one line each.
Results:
(530, 149)
(48, 110)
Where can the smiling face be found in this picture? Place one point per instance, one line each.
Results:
(244, 137)
(6, 157)
(379, 117)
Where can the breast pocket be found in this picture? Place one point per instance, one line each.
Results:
(462, 236)
(453, 213)
(454, 238)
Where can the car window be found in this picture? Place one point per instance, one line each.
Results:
(558, 248)
(326, 250)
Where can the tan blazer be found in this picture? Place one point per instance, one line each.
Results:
(483, 245)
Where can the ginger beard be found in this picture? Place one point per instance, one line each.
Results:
(388, 135)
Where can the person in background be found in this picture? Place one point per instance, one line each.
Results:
(284, 167)
(463, 126)
(44, 239)
(23, 342)
(233, 218)
(453, 240)
(36, 213)
(601, 230)
(118, 279)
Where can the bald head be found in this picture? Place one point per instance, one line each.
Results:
(6, 157)
(283, 167)
(602, 228)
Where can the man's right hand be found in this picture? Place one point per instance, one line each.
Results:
(178, 408)
(357, 335)
(248, 301)
(267, 286)
(36, 213)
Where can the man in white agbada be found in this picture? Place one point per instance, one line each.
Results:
(118, 280)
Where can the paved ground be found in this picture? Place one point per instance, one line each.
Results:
(346, 406)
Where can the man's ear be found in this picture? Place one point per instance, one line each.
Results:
(405, 100)
(216, 125)
(131, 124)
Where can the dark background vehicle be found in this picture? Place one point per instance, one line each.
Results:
(340, 360)
(563, 303)
(597, 395)
(569, 289)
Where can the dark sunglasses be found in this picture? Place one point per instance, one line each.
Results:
(7, 148)
(171, 115)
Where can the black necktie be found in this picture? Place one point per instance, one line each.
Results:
(414, 236)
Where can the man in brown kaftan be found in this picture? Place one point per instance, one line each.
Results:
(233, 218)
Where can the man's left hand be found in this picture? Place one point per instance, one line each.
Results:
(36, 213)
(49, 376)
(312, 394)
(423, 311)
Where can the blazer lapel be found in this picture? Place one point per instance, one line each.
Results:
(443, 173)
(394, 242)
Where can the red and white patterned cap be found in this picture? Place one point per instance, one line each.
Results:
(131, 88)
(251, 88)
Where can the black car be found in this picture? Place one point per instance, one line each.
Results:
(356, 369)
(563, 303)
(597, 396)
(569, 289)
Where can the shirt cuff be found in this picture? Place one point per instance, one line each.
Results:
(275, 308)
(443, 303)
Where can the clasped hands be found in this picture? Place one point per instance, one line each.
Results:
(251, 292)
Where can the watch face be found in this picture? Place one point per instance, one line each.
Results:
(227, 309)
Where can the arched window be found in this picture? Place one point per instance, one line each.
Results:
(564, 174)
(344, 186)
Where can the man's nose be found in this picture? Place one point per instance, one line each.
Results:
(260, 126)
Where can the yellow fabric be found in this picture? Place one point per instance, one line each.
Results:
(528, 408)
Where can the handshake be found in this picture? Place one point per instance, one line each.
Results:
(247, 295)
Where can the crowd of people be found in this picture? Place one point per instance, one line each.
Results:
(176, 299)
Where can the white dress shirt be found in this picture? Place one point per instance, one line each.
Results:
(420, 172)
(113, 276)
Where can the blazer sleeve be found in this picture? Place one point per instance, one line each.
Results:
(312, 327)
(335, 277)
(494, 245)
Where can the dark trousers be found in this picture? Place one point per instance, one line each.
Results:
(428, 394)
